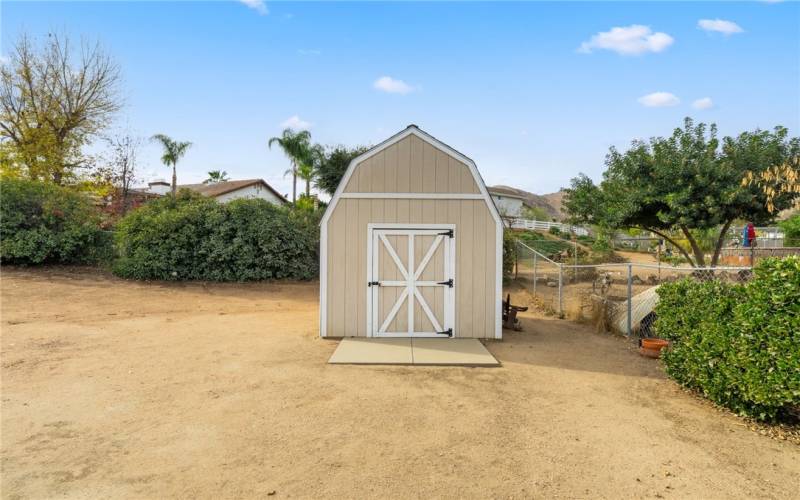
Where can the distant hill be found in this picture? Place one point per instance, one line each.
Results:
(551, 203)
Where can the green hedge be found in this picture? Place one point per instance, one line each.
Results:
(41, 223)
(196, 238)
(737, 344)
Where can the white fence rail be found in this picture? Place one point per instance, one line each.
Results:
(539, 225)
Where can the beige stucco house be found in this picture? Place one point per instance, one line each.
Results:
(411, 245)
(226, 191)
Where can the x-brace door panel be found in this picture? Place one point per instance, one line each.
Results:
(412, 284)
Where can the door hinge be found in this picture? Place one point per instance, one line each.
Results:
(448, 332)
(376, 283)
(448, 233)
(449, 283)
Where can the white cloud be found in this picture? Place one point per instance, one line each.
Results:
(392, 86)
(3, 60)
(720, 26)
(257, 5)
(295, 123)
(659, 100)
(703, 103)
(631, 40)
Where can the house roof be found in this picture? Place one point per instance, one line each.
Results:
(509, 193)
(220, 188)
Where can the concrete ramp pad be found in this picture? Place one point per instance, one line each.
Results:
(356, 351)
(455, 352)
(408, 351)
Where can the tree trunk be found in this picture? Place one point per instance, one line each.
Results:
(674, 243)
(174, 180)
(294, 183)
(720, 242)
(308, 187)
(699, 256)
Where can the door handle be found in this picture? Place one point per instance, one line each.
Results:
(449, 283)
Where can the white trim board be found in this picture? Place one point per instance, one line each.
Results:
(416, 196)
(484, 193)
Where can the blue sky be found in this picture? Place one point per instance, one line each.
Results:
(534, 92)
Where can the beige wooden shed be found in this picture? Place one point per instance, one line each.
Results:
(411, 246)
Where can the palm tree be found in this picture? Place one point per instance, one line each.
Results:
(308, 167)
(216, 176)
(173, 151)
(295, 146)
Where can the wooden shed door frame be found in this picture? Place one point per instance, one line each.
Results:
(376, 239)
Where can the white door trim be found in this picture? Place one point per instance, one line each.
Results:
(415, 196)
(379, 238)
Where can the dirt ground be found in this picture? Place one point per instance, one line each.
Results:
(119, 389)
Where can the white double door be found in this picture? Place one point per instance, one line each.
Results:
(411, 288)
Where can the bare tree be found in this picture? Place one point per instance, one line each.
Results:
(124, 149)
(53, 102)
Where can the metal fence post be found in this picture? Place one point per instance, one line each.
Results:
(561, 290)
(630, 301)
(534, 274)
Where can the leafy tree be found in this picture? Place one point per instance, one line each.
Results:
(776, 181)
(173, 151)
(333, 165)
(295, 146)
(684, 185)
(216, 176)
(535, 213)
(118, 169)
(52, 103)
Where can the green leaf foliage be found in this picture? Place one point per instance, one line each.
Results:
(791, 231)
(196, 238)
(737, 344)
(688, 182)
(509, 253)
(42, 223)
(545, 246)
(333, 164)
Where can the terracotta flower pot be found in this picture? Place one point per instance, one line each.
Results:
(651, 347)
(653, 343)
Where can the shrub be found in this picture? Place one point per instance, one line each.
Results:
(196, 238)
(42, 223)
(738, 344)
(791, 231)
(554, 230)
(509, 253)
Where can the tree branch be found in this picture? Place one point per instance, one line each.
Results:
(674, 243)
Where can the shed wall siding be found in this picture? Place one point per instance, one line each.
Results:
(411, 166)
(475, 246)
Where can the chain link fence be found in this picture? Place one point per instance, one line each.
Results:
(618, 297)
